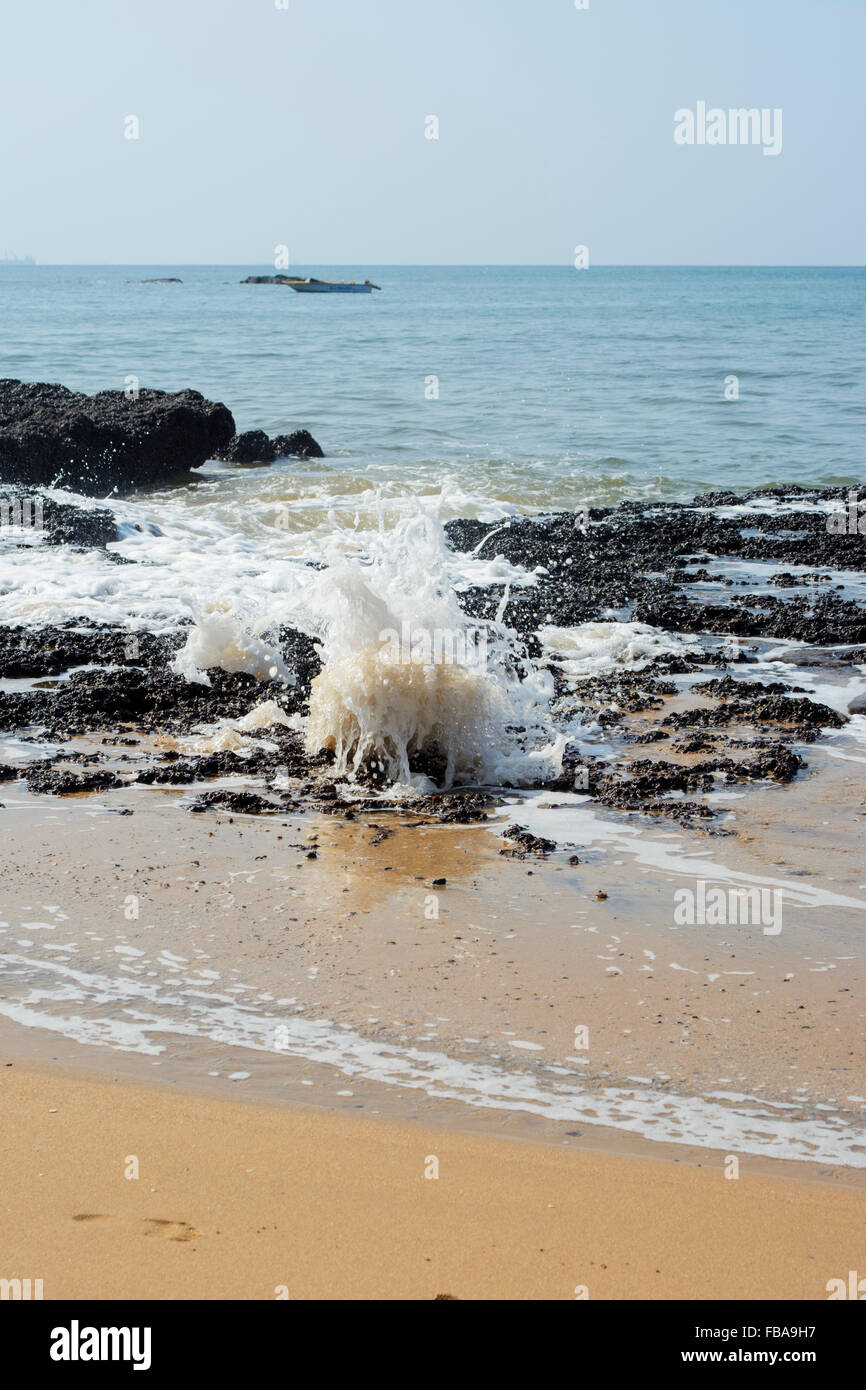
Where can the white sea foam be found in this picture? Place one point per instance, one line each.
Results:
(592, 649)
(219, 639)
(133, 1015)
(264, 716)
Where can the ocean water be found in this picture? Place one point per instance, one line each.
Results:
(553, 387)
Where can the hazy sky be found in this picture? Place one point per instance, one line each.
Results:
(305, 126)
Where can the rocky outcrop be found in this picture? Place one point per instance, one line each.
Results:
(268, 280)
(299, 445)
(93, 444)
(26, 517)
(648, 560)
(254, 446)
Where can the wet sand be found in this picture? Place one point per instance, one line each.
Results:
(188, 941)
(244, 1201)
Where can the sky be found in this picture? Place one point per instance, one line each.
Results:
(304, 123)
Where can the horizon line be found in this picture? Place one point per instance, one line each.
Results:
(439, 265)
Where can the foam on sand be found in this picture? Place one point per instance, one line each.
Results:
(132, 1014)
(593, 649)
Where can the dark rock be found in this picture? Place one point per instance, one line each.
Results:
(254, 446)
(460, 806)
(267, 280)
(144, 693)
(774, 709)
(97, 700)
(243, 802)
(526, 843)
(47, 651)
(59, 523)
(260, 762)
(299, 445)
(632, 559)
(162, 280)
(727, 688)
(694, 743)
(63, 781)
(49, 435)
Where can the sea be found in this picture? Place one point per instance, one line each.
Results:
(483, 391)
(524, 387)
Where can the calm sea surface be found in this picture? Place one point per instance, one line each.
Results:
(555, 386)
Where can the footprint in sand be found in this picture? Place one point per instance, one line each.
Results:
(170, 1230)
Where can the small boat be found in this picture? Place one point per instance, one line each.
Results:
(313, 286)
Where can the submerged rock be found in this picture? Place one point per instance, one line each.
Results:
(92, 444)
(254, 446)
(300, 444)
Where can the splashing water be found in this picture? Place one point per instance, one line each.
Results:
(219, 639)
(406, 672)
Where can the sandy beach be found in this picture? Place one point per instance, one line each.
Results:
(194, 1153)
(243, 1201)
